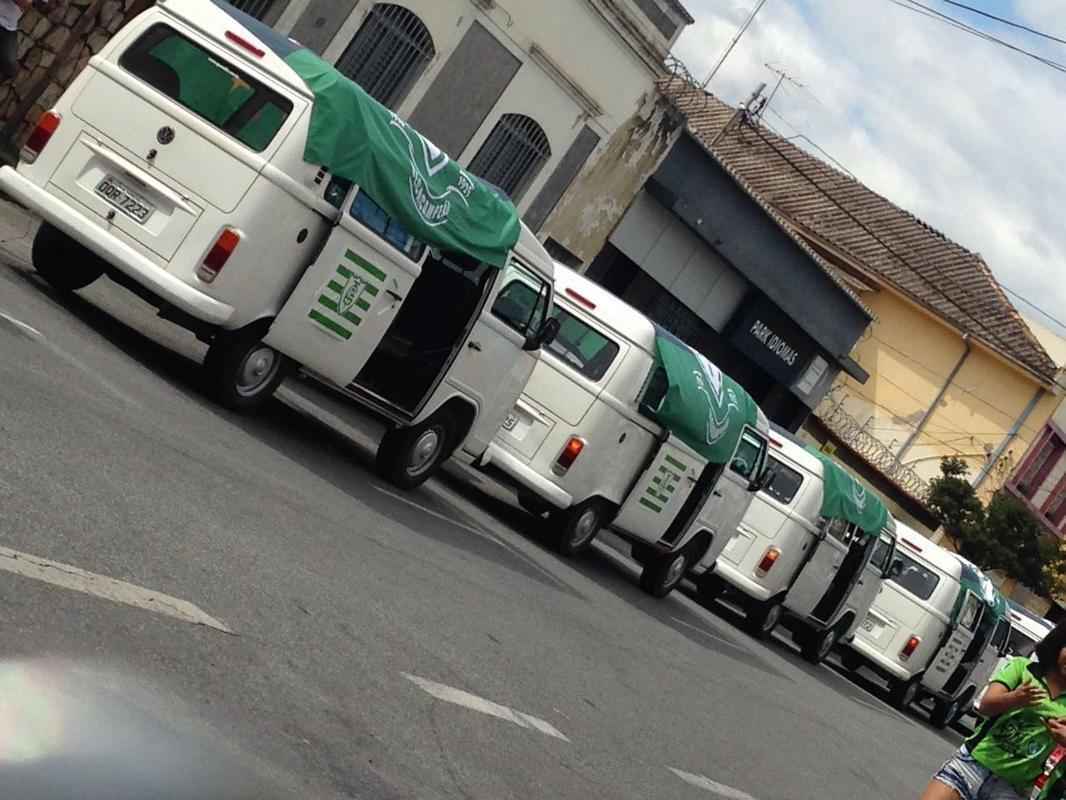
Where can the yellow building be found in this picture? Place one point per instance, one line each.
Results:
(954, 370)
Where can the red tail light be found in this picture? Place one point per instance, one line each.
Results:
(768, 560)
(909, 648)
(569, 455)
(218, 255)
(47, 125)
(244, 44)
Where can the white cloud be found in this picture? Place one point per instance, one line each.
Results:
(960, 132)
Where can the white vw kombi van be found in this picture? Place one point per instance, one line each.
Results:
(789, 556)
(934, 630)
(584, 446)
(259, 198)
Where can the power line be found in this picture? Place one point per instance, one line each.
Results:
(925, 11)
(811, 142)
(1034, 306)
(1004, 21)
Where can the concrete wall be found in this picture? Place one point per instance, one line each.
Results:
(910, 356)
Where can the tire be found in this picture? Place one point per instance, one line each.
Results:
(818, 644)
(65, 264)
(531, 503)
(240, 371)
(760, 619)
(407, 457)
(903, 694)
(643, 554)
(662, 575)
(850, 660)
(944, 713)
(578, 526)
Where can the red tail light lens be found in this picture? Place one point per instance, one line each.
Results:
(768, 560)
(909, 648)
(569, 455)
(47, 125)
(218, 255)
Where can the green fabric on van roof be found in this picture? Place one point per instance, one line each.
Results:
(703, 407)
(976, 581)
(438, 202)
(845, 497)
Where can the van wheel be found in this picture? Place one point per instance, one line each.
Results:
(242, 372)
(903, 693)
(761, 618)
(661, 575)
(578, 526)
(945, 712)
(65, 264)
(850, 660)
(643, 554)
(818, 644)
(407, 457)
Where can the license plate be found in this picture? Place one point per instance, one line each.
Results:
(125, 200)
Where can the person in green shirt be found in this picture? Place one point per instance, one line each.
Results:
(1025, 718)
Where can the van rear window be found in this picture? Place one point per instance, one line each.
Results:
(786, 482)
(914, 578)
(214, 90)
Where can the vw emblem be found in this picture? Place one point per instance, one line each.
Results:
(165, 135)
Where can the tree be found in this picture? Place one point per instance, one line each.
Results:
(1016, 541)
(956, 506)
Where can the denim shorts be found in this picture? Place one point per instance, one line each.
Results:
(973, 781)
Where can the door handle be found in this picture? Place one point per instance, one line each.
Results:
(394, 295)
(474, 346)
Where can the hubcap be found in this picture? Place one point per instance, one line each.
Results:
(424, 451)
(826, 644)
(257, 370)
(676, 570)
(585, 527)
(773, 616)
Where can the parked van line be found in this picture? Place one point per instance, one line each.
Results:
(787, 559)
(924, 632)
(585, 446)
(186, 162)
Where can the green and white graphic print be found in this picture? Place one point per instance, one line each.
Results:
(342, 302)
(663, 484)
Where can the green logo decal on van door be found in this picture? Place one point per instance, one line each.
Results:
(663, 485)
(350, 290)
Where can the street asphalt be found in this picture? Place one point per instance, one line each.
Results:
(377, 644)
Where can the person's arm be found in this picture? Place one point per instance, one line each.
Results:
(999, 699)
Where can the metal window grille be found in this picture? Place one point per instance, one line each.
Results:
(513, 154)
(388, 53)
(255, 8)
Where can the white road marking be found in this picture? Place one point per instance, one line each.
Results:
(32, 331)
(409, 502)
(475, 703)
(702, 782)
(79, 580)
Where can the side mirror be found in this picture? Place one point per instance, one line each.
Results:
(545, 335)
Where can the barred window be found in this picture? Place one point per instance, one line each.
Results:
(513, 154)
(255, 8)
(389, 52)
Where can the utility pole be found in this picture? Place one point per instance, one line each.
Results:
(782, 76)
(743, 29)
(741, 110)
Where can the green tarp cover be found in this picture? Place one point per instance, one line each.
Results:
(438, 202)
(976, 581)
(703, 407)
(845, 497)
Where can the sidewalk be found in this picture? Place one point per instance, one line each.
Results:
(17, 226)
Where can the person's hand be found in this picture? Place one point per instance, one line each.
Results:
(1057, 729)
(1027, 695)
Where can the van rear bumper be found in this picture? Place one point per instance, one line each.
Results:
(889, 666)
(526, 476)
(114, 251)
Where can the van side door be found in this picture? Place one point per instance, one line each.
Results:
(872, 578)
(951, 653)
(346, 300)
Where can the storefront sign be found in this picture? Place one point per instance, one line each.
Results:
(771, 339)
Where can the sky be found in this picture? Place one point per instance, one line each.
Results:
(964, 134)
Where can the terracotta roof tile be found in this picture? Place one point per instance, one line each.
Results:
(940, 274)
